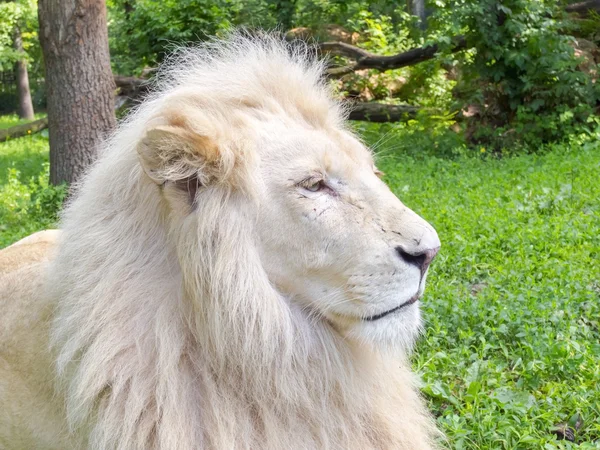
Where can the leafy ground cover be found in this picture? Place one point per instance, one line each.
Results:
(512, 341)
(27, 203)
(511, 347)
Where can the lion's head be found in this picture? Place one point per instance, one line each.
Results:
(332, 237)
(336, 240)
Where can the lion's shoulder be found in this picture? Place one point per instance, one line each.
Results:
(35, 248)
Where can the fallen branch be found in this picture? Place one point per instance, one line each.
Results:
(379, 112)
(366, 60)
(347, 50)
(583, 8)
(131, 86)
(23, 129)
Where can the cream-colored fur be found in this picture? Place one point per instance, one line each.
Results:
(32, 249)
(220, 276)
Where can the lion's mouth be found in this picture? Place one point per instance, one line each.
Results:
(409, 302)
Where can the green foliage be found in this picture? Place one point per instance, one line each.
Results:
(512, 305)
(21, 14)
(143, 31)
(380, 34)
(426, 84)
(523, 76)
(9, 13)
(520, 77)
(27, 202)
(428, 135)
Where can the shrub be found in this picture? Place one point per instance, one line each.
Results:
(27, 202)
(523, 77)
(26, 207)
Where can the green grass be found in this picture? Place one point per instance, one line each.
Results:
(27, 203)
(10, 120)
(512, 308)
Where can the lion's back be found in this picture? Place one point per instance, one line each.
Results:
(29, 250)
(29, 417)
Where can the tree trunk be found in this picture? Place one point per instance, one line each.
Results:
(417, 8)
(25, 109)
(79, 83)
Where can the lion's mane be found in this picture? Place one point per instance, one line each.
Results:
(172, 336)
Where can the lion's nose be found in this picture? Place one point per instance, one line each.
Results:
(420, 258)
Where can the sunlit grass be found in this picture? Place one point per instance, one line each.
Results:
(27, 203)
(512, 308)
(10, 120)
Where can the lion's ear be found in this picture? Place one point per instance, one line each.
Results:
(188, 148)
(176, 154)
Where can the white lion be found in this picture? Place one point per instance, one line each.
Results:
(232, 274)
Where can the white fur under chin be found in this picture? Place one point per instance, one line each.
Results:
(392, 334)
(169, 333)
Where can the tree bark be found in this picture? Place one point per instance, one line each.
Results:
(79, 83)
(25, 107)
(417, 8)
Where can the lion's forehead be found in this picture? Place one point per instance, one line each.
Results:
(351, 148)
(335, 151)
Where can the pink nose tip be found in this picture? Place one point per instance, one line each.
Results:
(421, 258)
(429, 255)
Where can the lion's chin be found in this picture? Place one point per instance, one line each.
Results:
(396, 331)
(406, 304)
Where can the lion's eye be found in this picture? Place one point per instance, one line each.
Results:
(314, 186)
